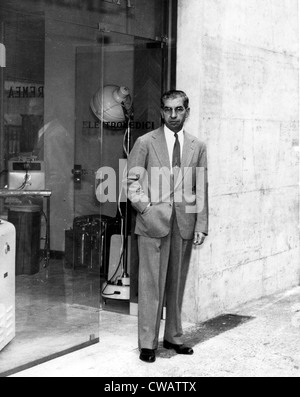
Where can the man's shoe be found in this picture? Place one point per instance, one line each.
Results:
(180, 349)
(147, 355)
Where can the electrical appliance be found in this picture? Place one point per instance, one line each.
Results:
(7, 283)
(26, 174)
(113, 106)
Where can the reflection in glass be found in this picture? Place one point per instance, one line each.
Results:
(57, 303)
(57, 59)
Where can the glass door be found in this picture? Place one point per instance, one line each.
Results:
(55, 302)
(66, 133)
(119, 81)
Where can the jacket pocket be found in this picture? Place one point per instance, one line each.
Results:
(155, 221)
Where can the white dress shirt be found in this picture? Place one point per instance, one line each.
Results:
(170, 138)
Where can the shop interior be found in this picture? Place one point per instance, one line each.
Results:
(82, 81)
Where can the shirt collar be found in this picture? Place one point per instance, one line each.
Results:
(168, 131)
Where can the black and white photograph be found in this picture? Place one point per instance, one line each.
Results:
(149, 191)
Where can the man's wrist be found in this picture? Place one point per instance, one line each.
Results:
(204, 234)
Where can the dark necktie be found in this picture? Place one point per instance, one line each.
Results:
(176, 152)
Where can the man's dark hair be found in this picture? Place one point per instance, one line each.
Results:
(173, 94)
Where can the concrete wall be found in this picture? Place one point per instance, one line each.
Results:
(238, 61)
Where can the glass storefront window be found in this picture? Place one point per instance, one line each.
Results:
(63, 60)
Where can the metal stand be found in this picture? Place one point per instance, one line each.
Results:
(125, 231)
(121, 291)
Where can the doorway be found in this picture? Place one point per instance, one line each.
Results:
(116, 61)
(47, 119)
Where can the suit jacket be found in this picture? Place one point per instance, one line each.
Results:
(150, 181)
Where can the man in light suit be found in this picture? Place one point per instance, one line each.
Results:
(167, 185)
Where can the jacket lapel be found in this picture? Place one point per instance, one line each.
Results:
(187, 155)
(161, 148)
(188, 150)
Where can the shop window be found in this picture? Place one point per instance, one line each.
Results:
(53, 145)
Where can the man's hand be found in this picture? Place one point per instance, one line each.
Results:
(199, 238)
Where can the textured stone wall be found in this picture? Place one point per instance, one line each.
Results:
(238, 61)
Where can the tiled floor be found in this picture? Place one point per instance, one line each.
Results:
(56, 310)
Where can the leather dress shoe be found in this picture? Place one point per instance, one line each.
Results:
(180, 349)
(147, 355)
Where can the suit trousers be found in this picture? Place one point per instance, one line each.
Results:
(163, 270)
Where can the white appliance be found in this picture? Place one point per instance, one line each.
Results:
(26, 175)
(7, 283)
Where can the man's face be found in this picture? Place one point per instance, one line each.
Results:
(174, 114)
